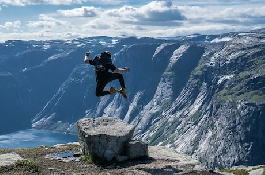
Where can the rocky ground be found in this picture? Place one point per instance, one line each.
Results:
(60, 160)
(53, 160)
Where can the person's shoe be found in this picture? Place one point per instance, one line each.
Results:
(123, 92)
(112, 90)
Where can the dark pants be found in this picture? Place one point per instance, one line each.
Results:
(104, 79)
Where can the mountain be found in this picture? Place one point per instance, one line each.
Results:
(202, 95)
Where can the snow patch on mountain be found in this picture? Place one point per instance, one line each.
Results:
(225, 39)
(223, 78)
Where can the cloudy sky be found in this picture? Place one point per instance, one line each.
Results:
(68, 19)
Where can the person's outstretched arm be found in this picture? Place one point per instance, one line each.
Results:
(86, 57)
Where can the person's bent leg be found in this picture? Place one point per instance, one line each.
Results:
(122, 83)
(100, 90)
(120, 77)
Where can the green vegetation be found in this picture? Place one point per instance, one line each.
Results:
(198, 70)
(159, 134)
(196, 116)
(170, 140)
(243, 171)
(27, 165)
(240, 91)
(87, 159)
(3, 151)
(169, 74)
(34, 161)
(155, 115)
(33, 152)
(247, 83)
(194, 79)
(157, 137)
(236, 171)
(243, 86)
(257, 97)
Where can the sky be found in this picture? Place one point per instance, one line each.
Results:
(70, 19)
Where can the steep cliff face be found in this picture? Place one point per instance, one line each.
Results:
(219, 114)
(30, 74)
(201, 95)
(13, 96)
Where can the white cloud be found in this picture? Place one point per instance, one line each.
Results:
(36, 2)
(39, 35)
(48, 22)
(156, 18)
(79, 12)
(159, 11)
(203, 29)
(239, 15)
(154, 13)
(55, 2)
(124, 13)
(128, 20)
(10, 25)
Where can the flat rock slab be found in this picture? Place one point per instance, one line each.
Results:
(162, 152)
(104, 138)
(9, 159)
(105, 125)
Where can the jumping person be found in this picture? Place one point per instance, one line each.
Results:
(103, 64)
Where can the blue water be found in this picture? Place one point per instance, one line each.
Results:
(64, 154)
(32, 138)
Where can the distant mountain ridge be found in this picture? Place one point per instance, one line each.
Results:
(201, 95)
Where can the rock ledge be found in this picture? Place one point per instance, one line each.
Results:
(107, 139)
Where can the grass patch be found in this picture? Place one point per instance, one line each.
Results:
(243, 171)
(257, 97)
(196, 116)
(87, 159)
(156, 138)
(27, 165)
(236, 171)
(169, 74)
(34, 161)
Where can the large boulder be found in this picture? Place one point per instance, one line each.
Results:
(105, 138)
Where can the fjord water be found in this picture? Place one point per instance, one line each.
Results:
(32, 138)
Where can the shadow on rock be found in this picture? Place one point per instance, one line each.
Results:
(167, 170)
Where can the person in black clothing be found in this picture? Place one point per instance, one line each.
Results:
(103, 76)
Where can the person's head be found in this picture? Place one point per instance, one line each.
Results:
(106, 57)
(107, 53)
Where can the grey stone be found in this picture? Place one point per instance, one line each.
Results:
(162, 152)
(137, 149)
(104, 138)
(122, 158)
(77, 154)
(9, 159)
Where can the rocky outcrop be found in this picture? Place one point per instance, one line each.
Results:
(106, 139)
(9, 159)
